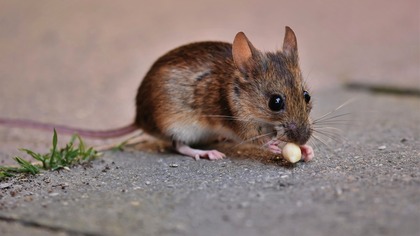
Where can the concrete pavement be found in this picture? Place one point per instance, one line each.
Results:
(357, 187)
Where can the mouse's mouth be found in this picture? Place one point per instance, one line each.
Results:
(280, 134)
(283, 133)
(293, 133)
(270, 133)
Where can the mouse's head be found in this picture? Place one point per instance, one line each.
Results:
(270, 91)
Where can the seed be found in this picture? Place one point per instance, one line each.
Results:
(291, 152)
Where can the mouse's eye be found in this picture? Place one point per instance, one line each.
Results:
(306, 96)
(276, 103)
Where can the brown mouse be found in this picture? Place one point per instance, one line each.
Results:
(202, 91)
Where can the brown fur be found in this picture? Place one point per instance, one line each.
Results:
(222, 90)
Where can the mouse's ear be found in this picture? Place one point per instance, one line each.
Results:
(290, 43)
(242, 51)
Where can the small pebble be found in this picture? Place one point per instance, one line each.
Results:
(135, 203)
(383, 147)
(338, 191)
(28, 198)
(13, 193)
(243, 205)
(5, 185)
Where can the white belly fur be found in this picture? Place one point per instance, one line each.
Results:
(199, 134)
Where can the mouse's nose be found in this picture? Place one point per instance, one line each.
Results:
(297, 133)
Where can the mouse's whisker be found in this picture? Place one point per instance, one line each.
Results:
(324, 128)
(322, 141)
(254, 138)
(336, 109)
(250, 120)
(221, 117)
(224, 117)
(313, 143)
(328, 128)
(330, 135)
(328, 131)
(330, 118)
(329, 123)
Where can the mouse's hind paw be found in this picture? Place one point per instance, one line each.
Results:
(198, 153)
(209, 154)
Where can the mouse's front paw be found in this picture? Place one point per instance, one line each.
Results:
(274, 149)
(273, 146)
(307, 152)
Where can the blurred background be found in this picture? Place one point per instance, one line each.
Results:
(80, 62)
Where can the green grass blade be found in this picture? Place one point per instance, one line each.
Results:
(5, 174)
(36, 156)
(52, 157)
(55, 159)
(27, 166)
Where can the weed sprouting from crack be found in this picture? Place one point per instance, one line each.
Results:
(56, 159)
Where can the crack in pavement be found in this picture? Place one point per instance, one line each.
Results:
(34, 224)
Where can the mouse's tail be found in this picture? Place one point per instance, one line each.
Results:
(86, 133)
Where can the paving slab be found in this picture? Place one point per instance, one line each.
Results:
(368, 184)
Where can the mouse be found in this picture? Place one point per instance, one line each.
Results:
(204, 91)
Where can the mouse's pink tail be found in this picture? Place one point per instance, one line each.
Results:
(86, 133)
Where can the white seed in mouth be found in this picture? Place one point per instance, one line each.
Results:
(291, 152)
